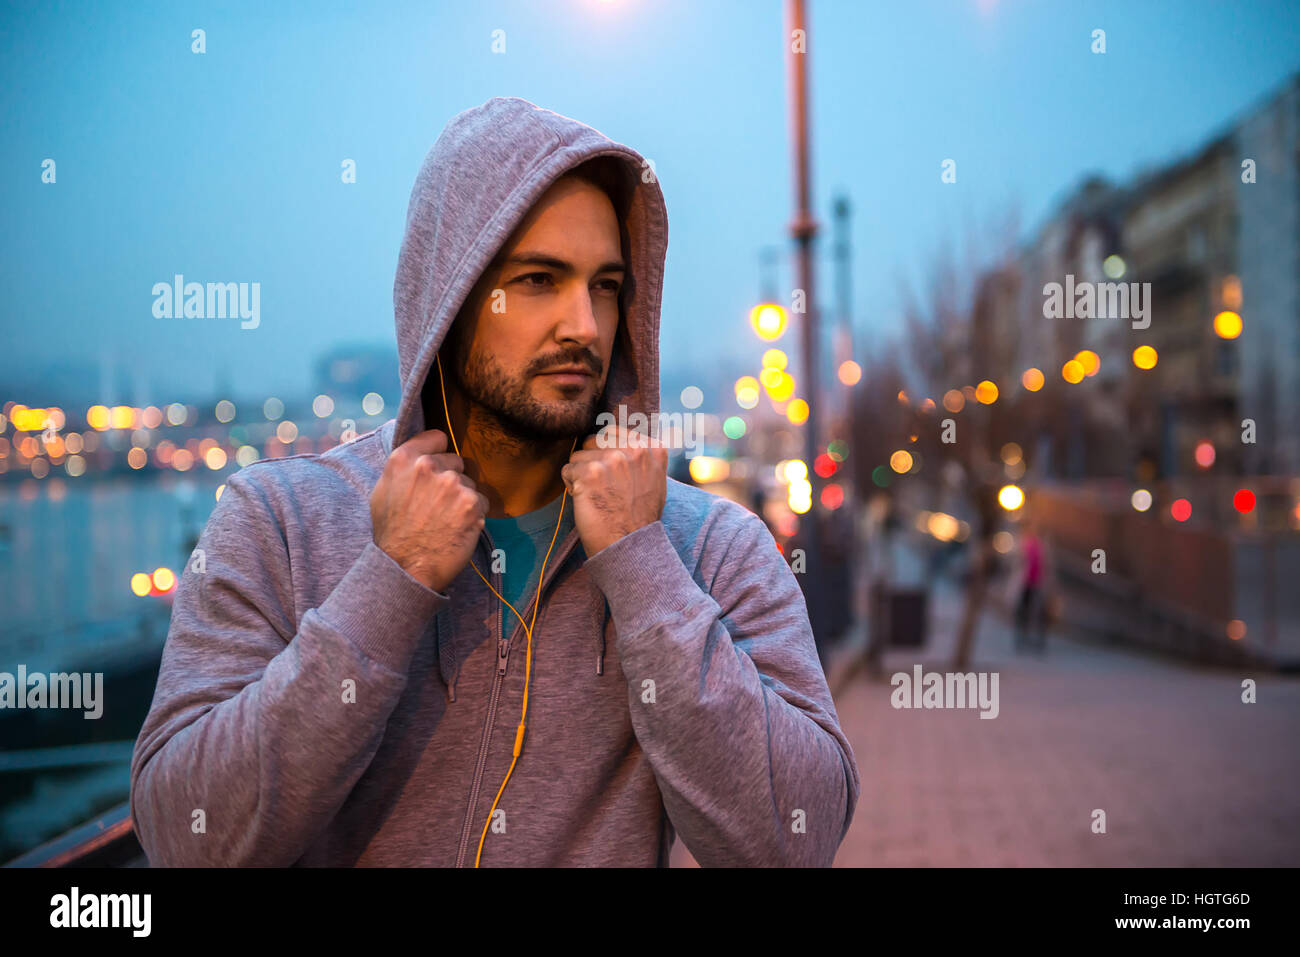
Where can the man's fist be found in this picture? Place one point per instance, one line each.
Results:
(426, 512)
(616, 490)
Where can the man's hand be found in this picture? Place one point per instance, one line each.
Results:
(616, 490)
(426, 513)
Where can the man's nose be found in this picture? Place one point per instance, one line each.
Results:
(577, 322)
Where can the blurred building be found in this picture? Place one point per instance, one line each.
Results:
(1075, 433)
(1208, 240)
(1268, 223)
(1180, 235)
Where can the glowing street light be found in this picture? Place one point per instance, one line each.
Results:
(1010, 497)
(1227, 324)
(768, 320)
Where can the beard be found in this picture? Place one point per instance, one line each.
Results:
(509, 401)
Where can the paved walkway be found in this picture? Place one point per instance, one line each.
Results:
(1187, 774)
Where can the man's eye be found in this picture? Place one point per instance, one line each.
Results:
(611, 284)
(544, 276)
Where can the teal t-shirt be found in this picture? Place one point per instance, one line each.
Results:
(524, 540)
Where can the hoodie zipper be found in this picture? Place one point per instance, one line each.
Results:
(503, 656)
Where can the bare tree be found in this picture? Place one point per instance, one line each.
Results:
(953, 340)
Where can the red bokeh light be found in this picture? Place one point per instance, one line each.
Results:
(1244, 500)
(824, 465)
(1181, 510)
(832, 496)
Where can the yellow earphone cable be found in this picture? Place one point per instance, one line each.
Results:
(528, 628)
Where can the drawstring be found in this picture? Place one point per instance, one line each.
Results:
(445, 650)
(600, 655)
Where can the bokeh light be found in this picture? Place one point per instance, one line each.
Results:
(1231, 292)
(768, 320)
(1010, 497)
(832, 496)
(707, 468)
(1227, 324)
(164, 579)
(1145, 357)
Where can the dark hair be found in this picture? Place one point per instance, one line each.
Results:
(610, 175)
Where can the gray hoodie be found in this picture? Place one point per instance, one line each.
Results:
(318, 706)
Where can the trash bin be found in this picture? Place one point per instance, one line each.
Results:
(900, 612)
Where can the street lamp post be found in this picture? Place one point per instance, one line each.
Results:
(802, 229)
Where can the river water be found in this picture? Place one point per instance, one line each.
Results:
(68, 550)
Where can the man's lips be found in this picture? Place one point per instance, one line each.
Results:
(569, 374)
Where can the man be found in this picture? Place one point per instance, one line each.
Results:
(341, 683)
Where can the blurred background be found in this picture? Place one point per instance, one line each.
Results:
(868, 206)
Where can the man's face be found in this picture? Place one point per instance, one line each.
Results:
(533, 345)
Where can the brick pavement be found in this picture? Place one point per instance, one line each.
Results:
(1188, 775)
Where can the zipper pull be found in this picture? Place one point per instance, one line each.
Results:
(503, 652)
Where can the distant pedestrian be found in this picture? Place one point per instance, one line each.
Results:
(1035, 589)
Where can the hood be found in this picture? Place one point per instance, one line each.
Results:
(485, 172)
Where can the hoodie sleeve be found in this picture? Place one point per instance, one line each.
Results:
(260, 727)
(728, 698)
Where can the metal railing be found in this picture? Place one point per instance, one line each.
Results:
(108, 840)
